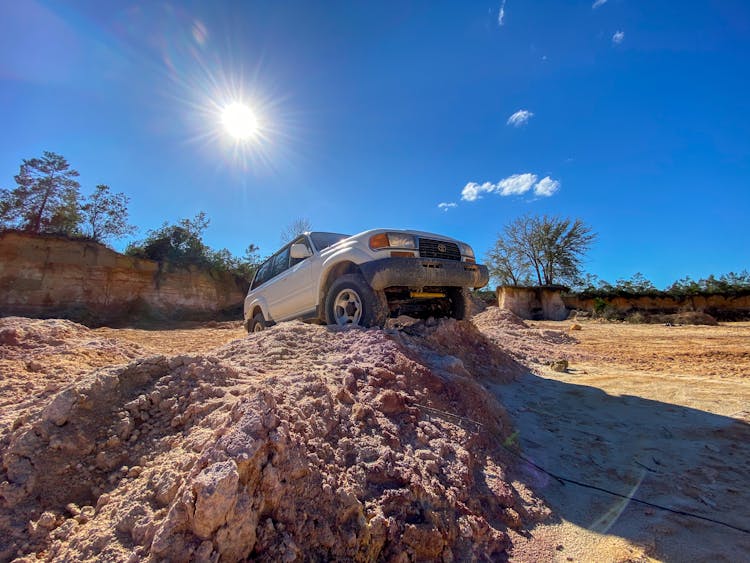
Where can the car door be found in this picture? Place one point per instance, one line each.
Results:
(299, 283)
(276, 289)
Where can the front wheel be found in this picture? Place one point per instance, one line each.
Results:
(258, 324)
(351, 301)
(461, 304)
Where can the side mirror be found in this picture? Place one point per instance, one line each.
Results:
(299, 250)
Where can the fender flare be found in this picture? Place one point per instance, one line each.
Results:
(353, 255)
(257, 303)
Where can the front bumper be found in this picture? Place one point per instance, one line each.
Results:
(423, 272)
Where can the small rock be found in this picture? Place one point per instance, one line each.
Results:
(345, 396)
(59, 409)
(34, 366)
(512, 518)
(215, 495)
(559, 365)
(105, 461)
(47, 520)
(391, 402)
(10, 336)
(86, 514)
(63, 532)
(203, 553)
(103, 501)
(574, 326)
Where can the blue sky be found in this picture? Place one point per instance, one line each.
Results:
(634, 116)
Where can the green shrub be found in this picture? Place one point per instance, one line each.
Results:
(599, 306)
(637, 317)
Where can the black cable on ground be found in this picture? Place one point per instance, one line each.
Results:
(562, 480)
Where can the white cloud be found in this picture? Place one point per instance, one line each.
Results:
(618, 37)
(501, 14)
(546, 187)
(520, 118)
(598, 3)
(517, 184)
(473, 191)
(445, 206)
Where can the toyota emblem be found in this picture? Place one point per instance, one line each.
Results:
(442, 248)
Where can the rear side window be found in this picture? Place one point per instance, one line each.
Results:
(264, 273)
(272, 267)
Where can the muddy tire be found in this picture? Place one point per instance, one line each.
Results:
(351, 301)
(257, 324)
(461, 305)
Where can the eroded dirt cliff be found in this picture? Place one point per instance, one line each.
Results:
(43, 276)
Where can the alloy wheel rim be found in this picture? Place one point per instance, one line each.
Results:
(347, 308)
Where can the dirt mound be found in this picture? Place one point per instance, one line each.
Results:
(477, 304)
(459, 345)
(495, 317)
(532, 347)
(301, 442)
(39, 357)
(691, 318)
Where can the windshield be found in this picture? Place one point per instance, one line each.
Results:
(324, 240)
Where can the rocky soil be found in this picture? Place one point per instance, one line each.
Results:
(299, 443)
(203, 443)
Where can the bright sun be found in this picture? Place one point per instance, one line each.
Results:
(239, 121)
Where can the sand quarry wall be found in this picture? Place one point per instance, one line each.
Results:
(555, 304)
(533, 303)
(52, 277)
(723, 307)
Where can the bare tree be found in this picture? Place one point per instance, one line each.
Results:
(295, 228)
(507, 264)
(549, 249)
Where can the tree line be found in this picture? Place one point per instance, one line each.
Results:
(531, 250)
(549, 250)
(638, 285)
(47, 200)
(181, 244)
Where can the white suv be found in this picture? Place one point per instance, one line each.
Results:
(364, 279)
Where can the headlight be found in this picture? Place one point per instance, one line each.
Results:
(392, 240)
(466, 250)
(401, 240)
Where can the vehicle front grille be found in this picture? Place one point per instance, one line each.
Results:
(429, 248)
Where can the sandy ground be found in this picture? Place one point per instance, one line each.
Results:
(660, 413)
(185, 338)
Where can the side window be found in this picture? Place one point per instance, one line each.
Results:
(264, 273)
(280, 262)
